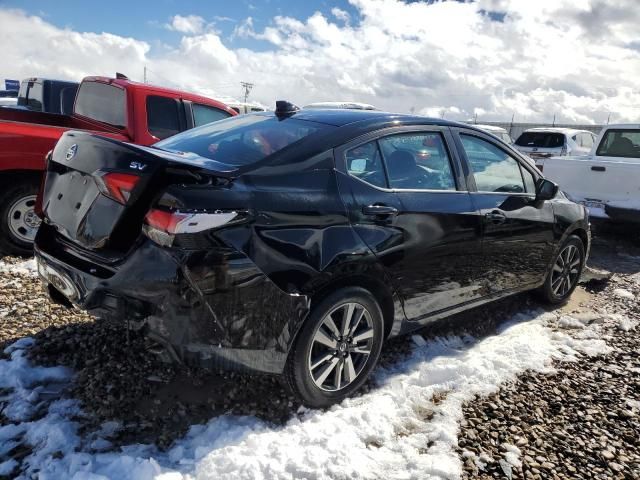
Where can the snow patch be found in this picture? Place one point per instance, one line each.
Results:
(567, 321)
(396, 431)
(624, 323)
(512, 455)
(27, 268)
(622, 293)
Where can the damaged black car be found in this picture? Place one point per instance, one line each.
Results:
(296, 242)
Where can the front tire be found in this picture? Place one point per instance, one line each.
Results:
(18, 221)
(337, 348)
(563, 277)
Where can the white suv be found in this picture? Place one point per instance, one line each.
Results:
(552, 142)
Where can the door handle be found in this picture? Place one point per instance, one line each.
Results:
(598, 169)
(496, 217)
(385, 210)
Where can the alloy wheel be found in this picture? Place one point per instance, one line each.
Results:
(341, 347)
(22, 219)
(566, 271)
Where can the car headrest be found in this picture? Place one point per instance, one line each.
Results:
(401, 164)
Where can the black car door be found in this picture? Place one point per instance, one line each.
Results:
(406, 199)
(518, 230)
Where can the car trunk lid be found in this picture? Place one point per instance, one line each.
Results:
(98, 190)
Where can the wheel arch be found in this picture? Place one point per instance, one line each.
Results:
(382, 293)
(14, 176)
(582, 234)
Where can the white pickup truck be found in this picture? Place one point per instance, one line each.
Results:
(607, 181)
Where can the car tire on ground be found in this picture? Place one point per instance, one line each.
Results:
(565, 272)
(331, 359)
(18, 221)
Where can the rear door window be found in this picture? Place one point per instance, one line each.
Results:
(102, 102)
(494, 170)
(203, 114)
(417, 161)
(163, 116)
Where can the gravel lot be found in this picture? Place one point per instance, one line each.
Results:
(579, 420)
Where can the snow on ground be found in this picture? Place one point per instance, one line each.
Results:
(27, 267)
(404, 428)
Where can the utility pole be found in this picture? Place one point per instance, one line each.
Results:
(475, 118)
(608, 118)
(247, 89)
(145, 74)
(554, 120)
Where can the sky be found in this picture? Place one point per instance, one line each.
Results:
(492, 60)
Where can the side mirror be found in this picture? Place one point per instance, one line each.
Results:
(546, 189)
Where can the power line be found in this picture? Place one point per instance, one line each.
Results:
(247, 89)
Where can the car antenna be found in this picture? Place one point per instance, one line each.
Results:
(284, 108)
(121, 76)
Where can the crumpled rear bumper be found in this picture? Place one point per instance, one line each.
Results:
(214, 309)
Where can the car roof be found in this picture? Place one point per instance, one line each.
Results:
(623, 126)
(340, 117)
(568, 131)
(342, 105)
(489, 128)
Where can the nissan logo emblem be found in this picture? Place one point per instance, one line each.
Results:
(73, 149)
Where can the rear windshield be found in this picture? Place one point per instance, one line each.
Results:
(242, 140)
(102, 102)
(620, 143)
(541, 140)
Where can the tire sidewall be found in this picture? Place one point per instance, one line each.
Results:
(9, 244)
(304, 384)
(548, 291)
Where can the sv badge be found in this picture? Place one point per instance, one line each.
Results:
(137, 166)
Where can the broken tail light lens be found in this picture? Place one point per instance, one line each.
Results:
(161, 226)
(117, 186)
(38, 207)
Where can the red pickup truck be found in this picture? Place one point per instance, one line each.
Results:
(116, 108)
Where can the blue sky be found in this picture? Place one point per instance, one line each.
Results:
(147, 20)
(577, 61)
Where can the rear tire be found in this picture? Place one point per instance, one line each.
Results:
(330, 359)
(565, 272)
(18, 222)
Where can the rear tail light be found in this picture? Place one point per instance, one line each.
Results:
(37, 208)
(162, 226)
(117, 186)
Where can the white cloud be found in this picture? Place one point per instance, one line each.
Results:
(189, 24)
(544, 58)
(340, 14)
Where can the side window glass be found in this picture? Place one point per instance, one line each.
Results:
(162, 116)
(529, 180)
(587, 140)
(494, 170)
(417, 161)
(364, 162)
(34, 99)
(576, 138)
(203, 114)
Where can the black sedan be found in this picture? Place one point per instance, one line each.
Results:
(295, 242)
